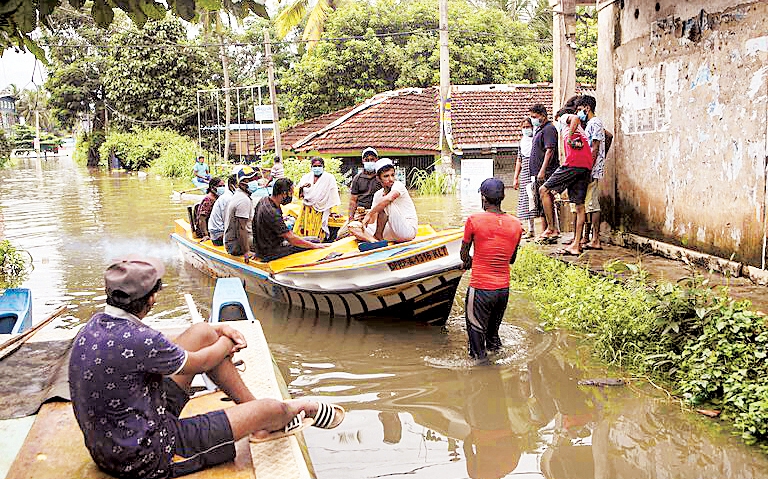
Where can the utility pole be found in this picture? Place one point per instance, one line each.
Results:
(273, 95)
(445, 91)
(227, 102)
(37, 133)
(564, 54)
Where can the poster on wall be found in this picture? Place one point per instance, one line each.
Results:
(473, 172)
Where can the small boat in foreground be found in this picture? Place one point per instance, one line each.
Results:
(52, 445)
(413, 280)
(15, 310)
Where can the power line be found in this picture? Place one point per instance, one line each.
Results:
(284, 42)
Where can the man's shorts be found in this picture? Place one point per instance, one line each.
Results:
(202, 441)
(592, 201)
(575, 180)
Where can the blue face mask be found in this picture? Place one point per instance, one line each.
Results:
(220, 190)
(527, 131)
(535, 122)
(582, 115)
(369, 166)
(317, 170)
(253, 186)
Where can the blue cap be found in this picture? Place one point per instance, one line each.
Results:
(492, 188)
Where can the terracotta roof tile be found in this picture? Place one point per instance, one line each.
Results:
(405, 120)
(300, 130)
(490, 115)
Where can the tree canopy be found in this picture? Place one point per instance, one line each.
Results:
(155, 86)
(19, 18)
(374, 54)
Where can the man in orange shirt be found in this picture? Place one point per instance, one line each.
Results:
(495, 236)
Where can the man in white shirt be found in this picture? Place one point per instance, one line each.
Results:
(393, 210)
(216, 223)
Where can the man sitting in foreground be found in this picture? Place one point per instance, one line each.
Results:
(129, 383)
(393, 210)
(271, 237)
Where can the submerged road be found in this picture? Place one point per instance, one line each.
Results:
(417, 407)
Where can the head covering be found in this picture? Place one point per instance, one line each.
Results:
(133, 276)
(492, 188)
(370, 151)
(245, 173)
(381, 163)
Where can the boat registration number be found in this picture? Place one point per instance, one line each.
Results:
(420, 258)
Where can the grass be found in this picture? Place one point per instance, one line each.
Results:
(700, 344)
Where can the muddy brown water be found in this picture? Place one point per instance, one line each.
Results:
(416, 407)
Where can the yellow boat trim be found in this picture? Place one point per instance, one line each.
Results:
(348, 247)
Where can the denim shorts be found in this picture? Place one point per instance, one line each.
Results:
(202, 441)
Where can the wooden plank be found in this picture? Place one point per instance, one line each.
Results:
(15, 342)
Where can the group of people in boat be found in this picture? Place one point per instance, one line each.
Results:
(380, 208)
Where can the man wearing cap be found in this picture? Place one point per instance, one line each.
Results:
(237, 232)
(495, 236)
(364, 185)
(129, 383)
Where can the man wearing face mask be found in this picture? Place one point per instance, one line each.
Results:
(237, 233)
(271, 237)
(364, 185)
(544, 161)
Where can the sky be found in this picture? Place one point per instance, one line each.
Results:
(17, 68)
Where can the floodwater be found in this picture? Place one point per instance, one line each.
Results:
(416, 407)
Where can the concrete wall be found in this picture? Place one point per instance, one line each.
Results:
(690, 90)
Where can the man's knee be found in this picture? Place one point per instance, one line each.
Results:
(543, 191)
(198, 336)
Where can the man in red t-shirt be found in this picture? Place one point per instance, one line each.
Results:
(574, 174)
(495, 236)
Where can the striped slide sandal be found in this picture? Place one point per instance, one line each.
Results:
(297, 424)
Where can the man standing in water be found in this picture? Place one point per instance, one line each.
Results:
(495, 236)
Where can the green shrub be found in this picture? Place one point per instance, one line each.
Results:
(15, 265)
(705, 346)
(434, 183)
(164, 152)
(80, 155)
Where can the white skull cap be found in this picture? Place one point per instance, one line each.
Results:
(370, 150)
(381, 163)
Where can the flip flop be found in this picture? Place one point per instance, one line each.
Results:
(547, 239)
(297, 424)
(565, 252)
(329, 415)
(586, 246)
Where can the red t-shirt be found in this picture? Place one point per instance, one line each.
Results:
(581, 158)
(495, 238)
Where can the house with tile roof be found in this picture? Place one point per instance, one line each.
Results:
(404, 125)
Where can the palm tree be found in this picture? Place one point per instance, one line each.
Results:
(541, 23)
(295, 13)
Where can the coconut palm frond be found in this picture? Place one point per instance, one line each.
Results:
(316, 22)
(290, 17)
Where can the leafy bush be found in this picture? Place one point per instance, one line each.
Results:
(14, 265)
(704, 345)
(5, 149)
(80, 155)
(434, 183)
(165, 152)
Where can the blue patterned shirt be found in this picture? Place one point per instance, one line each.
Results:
(115, 380)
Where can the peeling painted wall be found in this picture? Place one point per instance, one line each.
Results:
(691, 104)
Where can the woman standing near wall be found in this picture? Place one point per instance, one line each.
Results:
(523, 176)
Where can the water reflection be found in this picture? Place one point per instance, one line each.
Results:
(417, 407)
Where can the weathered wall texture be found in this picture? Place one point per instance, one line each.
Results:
(690, 86)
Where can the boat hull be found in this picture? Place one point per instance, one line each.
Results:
(413, 290)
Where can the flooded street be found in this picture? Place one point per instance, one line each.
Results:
(416, 407)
